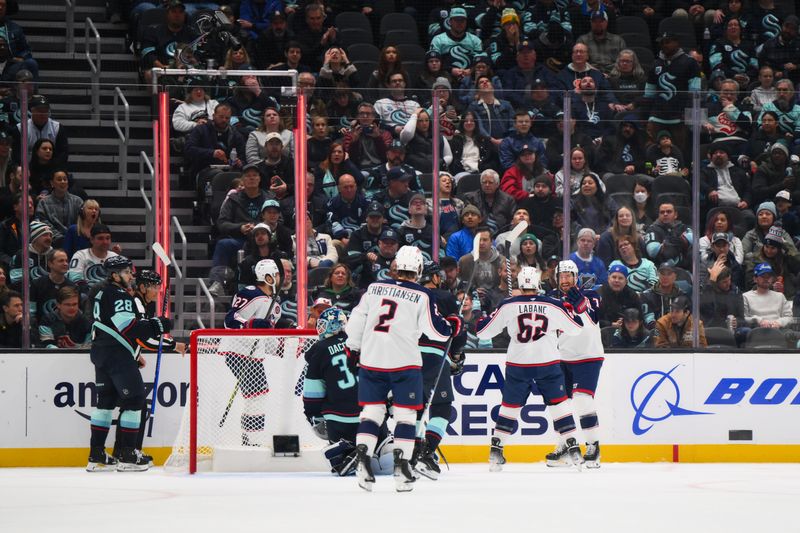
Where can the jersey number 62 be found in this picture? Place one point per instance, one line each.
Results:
(531, 332)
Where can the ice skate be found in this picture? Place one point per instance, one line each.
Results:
(592, 456)
(118, 455)
(100, 461)
(403, 477)
(364, 469)
(132, 460)
(427, 463)
(574, 453)
(496, 458)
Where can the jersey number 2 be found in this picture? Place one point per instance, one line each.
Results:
(531, 332)
(383, 320)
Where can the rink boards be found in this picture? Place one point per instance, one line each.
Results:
(657, 406)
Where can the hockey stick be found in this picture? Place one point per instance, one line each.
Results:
(475, 254)
(512, 238)
(162, 255)
(224, 416)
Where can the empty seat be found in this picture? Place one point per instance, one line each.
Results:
(720, 337)
(468, 183)
(636, 25)
(397, 21)
(607, 334)
(765, 338)
(317, 276)
(645, 56)
(637, 39)
(363, 52)
(410, 52)
(351, 20)
(395, 37)
(619, 183)
(349, 36)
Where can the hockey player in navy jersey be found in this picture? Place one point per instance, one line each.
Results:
(533, 323)
(581, 359)
(116, 332)
(255, 306)
(425, 461)
(383, 332)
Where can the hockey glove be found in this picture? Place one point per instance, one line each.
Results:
(161, 324)
(456, 323)
(457, 363)
(577, 300)
(320, 428)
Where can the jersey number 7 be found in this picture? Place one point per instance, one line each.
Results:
(383, 320)
(531, 332)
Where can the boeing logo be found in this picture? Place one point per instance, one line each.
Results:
(660, 401)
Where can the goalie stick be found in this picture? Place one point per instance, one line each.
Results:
(162, 255)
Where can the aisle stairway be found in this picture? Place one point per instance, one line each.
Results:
(94, 144)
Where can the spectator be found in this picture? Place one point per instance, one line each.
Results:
(365, 141)
(467, 87)
(14, 50)
(530, 252)
(238, 216)
(473, 152)
(276, 169)
(641, 271)
(543, 111)
(496, 206)
(591, 269)
(593, 109)
(489, 264)
(665, 158)
(79, 235)
(721, 300)
(256, 16)
(59, 208)
(389, 63)
(623, 223)
(320, 251)
(786, 108)
(395, 109)
(271, 122)
(44, 288)
(336, 68)
(632, 334)
(281, 239)
(431, 72)
(643, 205)
(775, 174)
(604, 47)
(457, 43)
(319, 142)
(763, 18)
(196, 110)
(733, 55)
(214, 143)
(257, 247)
(545, 12)
(784, 265)
(520, 138)
(86, 268)
(316, 36)
(578, 141)
(760, 145)
(158, 40)
(394, 198)
(674, 329)
(668, 104)
(656, 301)
(6, 152)
(729, 119)
(624, 152)
(11, 321)
(554, 45)
(340, 289)
(781, 52)
(449, 206)
(10, 232)
(541, 204)
(616, 297)
(788, 216)
(493, 114)
(570, 76)
(42, 165)
(248, 102)
(627, 79)
(294, 59)
(415, 231)
(460, 243)
(504, 48)
(764, 307)
(766, 214)
(765, 92)
(668, 239)
(39, 250)
(724, 184)
(348, 209)
(417, 137)
(720, 223)
(719, 256)
(380, 269)
(519, 180)
(42, 126)
(271, 44)
(66, 326)
(579, 167)
(590, 207)
(520, 73)
(362, 246)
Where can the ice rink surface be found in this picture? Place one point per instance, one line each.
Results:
(620, 497)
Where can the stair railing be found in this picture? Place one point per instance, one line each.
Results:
(123, 137)
(69, 12)
(149, 214)
(180, 266)
(94, 66)
(202, 289)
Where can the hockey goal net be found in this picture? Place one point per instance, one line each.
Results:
(245, 410)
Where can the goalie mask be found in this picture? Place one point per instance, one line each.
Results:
(331, 322)
(264, 268)
(409, 259)
(529, 278)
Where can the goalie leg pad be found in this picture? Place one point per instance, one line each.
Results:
(342, 457)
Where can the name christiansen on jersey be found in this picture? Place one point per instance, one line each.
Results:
(394, 292)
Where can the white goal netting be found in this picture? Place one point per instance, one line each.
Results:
(245, 411)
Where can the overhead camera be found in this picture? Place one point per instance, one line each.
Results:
(215, 33)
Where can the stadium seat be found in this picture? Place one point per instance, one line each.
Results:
(765, 338)
(220, 185)
(682, 27)
(395, 37)
(684, 214)
(720, 337)
(636, 39)
(317, 276)
(468, 183)
(621, 199)
(619, 183)
(349, 36)
(635, 25)
(382, 8)
(363, 52)
(606, 334)
(645, 56)
(671, 185)
(426, 180)
(411, 53)
(364, 70)
(397, 21)
(352, 20)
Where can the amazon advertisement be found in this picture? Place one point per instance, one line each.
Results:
(658, 398)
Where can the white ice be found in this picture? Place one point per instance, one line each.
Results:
(646, 498)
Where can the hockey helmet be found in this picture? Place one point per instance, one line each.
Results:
(567, 265)
(330, 322)
(117, 264)
(529, 278)
(147, 277)
(429, 269)
(264, 268)
(409, 259)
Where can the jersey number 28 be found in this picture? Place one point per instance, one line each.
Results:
(531, 332)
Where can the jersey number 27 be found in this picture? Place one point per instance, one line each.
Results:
(531, 332)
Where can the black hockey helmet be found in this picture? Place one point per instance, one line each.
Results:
(117, 263)
(429, 268)
(147, 277)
